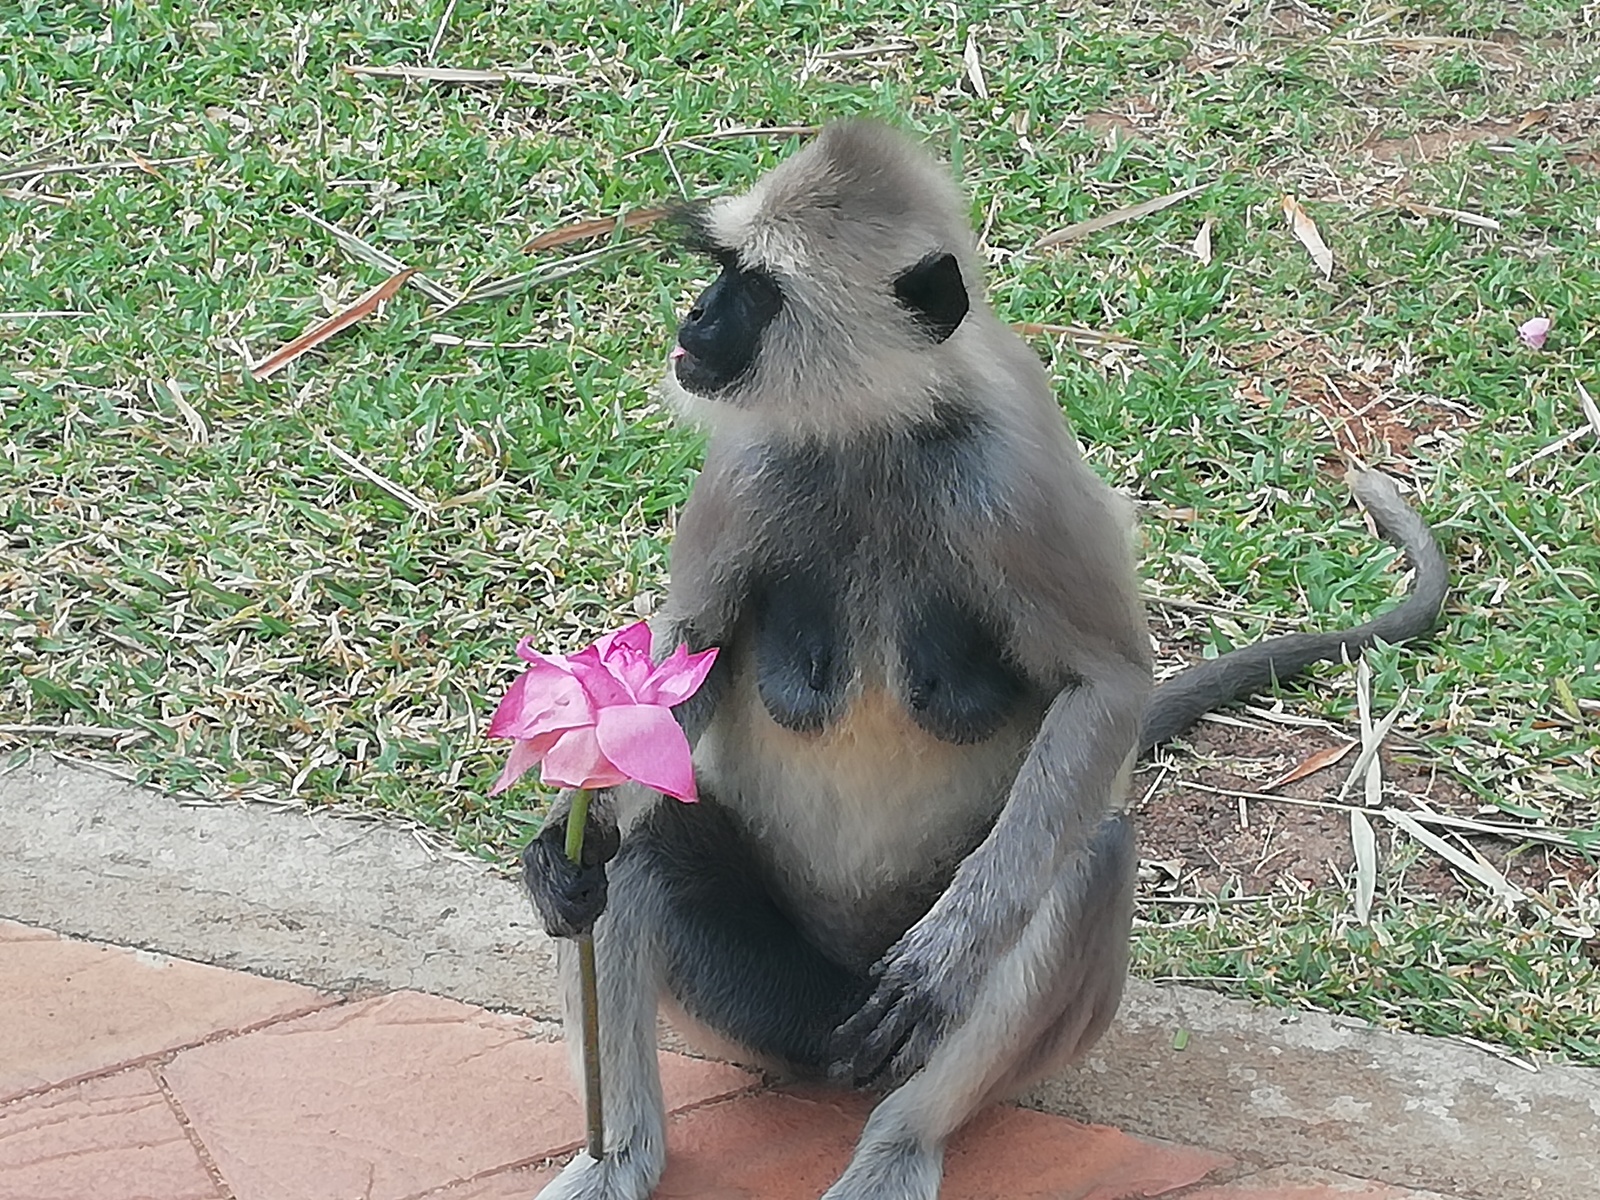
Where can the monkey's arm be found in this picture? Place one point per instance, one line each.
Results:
(1182, 700)
(927, 982)
(711, 559)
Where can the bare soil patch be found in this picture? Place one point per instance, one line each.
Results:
(1572, 125)
(1195, 825)
(1371, 420)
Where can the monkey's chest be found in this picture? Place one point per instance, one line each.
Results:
(815, 646)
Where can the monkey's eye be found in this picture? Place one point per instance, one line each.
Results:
(765, 292)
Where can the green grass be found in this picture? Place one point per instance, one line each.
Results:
(190, 570)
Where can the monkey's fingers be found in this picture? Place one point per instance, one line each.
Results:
(889, 1038)
(569, 898)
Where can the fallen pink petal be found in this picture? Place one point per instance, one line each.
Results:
(602, 716)
(1535, 331)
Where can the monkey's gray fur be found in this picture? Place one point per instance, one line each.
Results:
(911, 866)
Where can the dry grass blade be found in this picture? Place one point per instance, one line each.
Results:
(463, 75)
(1591, 416)
(1365, 844)
(1561, 443)
(27, 195)
(717, 135)
(1477, 220)
(1590, 412)
(1305, 229)
(1310, 765)
(1369, 752)
(1369, 736)
(1202, 242)
(39, 170)
(403, 494)
(439, 30)
(1078, 333)
(577, 231)
(900, 46)
(366, 252)
(1106, 220)
(510, 285)
(79, 731)
(450, 339)
(315, 336)
(198, 433)
(974, 66)
(1476, 868)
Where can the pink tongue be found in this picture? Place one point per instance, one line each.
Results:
(677, 353)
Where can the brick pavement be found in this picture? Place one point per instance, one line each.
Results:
(126, 1075)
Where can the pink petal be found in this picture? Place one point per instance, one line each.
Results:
(599, 681)
(678, 677)
(1535, 331)
(646, 744)
(631, 639)
(576, 761)
(522, 756)
(626, 655)
(542, 699)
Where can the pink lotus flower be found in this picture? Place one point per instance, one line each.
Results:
(1535, 331)
(602, 716)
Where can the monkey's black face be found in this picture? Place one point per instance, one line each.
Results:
(719, 338)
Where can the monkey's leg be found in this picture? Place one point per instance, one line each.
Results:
(689, 910)
(628, 974)
(730, 955)
(1045, 1000)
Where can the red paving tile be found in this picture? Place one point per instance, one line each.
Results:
(413, 1096)
(74, 1009)
(113, 1138)
(777, 1146)
(1301, 1183)
(521, 1184)
(392, 1097)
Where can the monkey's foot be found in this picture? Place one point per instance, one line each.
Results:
(890, 1171)
(626, 1174)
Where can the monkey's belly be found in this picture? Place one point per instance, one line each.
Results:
(862, 823)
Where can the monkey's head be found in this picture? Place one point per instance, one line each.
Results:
(848, 294)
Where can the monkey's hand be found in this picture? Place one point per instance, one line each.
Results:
(925, 985)
(571, 896)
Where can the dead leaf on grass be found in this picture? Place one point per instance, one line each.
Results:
(1532, 117)
(1202, 243)
(577, 231)
(1305, 229)
(974, 66)
(1106, 220)
(315, 336)
(1311, 765)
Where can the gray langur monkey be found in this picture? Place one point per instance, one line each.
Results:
(911, 867)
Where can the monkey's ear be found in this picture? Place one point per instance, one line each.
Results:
(935, 293)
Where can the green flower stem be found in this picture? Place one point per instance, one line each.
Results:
(577, 819)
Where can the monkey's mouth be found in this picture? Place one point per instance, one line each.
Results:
(692, 373)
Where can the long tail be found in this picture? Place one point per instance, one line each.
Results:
(1182, 700)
